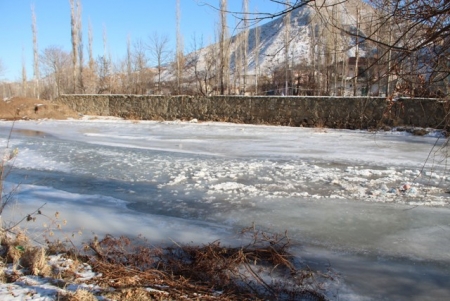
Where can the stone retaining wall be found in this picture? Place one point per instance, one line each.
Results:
(333, 112)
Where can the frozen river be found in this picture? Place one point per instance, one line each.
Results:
(371, 206)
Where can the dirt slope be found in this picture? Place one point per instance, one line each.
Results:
(31, 108)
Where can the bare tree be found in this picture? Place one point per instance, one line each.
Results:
(159, 53)
(193, 61)
(90, 46)
(89, 73)
(141, 73)
(24, 75)
(203, 62)
(356, 75)
(128, 62)
(287, 42)
(224, 51)
(245, 43)
(260, 16)
(35, 53)
(238, 63)
(179, 56)
(5, 88)
(80, 48)
(74, 35)
(256, 55)
(412, 39)
(2, 68)
(104, 68)
(336, 46)
(55, 63)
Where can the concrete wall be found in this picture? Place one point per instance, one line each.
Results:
(333, 112)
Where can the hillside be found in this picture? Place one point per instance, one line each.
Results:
(305, 44)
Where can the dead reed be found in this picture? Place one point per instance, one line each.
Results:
(263, 269)
(131, 269)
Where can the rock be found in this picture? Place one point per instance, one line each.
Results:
(419, 132)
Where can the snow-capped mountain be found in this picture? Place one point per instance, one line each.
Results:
(310, 27)
(312, 32)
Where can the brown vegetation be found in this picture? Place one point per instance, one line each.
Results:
(260, 270)
(31, 109)
(131, 270)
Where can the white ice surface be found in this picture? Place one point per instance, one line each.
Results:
(340, 191)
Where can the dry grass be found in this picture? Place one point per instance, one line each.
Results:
(3, 277)
(79, 295)
(15, 247)
(135, 294)
(22, 254)
(35, 259)
(131, 270)
(263, 269)
(30, 108)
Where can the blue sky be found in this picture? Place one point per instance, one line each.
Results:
(121, 18)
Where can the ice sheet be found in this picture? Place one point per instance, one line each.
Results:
(359, 198)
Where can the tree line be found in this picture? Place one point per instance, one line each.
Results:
(399, 47)
(390, 47)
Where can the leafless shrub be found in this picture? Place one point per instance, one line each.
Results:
(130, 269)
(210, 271)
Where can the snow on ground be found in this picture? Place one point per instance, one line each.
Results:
(377, 198)
(28, 287)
